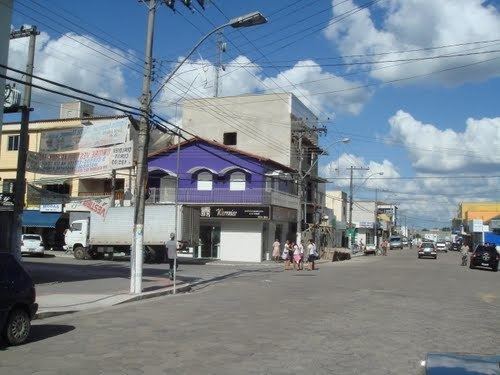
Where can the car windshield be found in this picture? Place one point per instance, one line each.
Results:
(395, 239)
(35, 237)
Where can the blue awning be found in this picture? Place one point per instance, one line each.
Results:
(37, 219)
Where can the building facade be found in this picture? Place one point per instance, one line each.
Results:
(245, 201)
(271, 126)
(45, 213)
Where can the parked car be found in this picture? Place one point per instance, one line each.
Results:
(395, 243)
(455, 246)
(485, 256)
(32, 244)
(370, 248)
(427, 249)
(448, 245)
(441, 246)
(17, 300)
(405, 242)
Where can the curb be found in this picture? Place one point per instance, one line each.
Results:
(143, 296)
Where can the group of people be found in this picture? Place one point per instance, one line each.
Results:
(293, 254)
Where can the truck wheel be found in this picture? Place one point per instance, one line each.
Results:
(79, 252)
(18, 327)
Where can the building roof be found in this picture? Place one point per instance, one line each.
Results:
(70, 119)
(229, 149)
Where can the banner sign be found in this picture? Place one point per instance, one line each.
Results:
(235, 212)
(87, 136)
(51, 207)
(85, 162)
(98, 205)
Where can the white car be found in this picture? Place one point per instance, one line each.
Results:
(32, 244)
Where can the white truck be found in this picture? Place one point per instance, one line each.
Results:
(98, 236)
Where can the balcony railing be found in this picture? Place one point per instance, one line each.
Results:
(224, 196)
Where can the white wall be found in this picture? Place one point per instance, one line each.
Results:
(241, 240)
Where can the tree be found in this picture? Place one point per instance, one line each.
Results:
(425, 230)
(446, 229)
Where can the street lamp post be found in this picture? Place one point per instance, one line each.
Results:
(247, 20)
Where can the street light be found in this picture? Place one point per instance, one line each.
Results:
(247, 20)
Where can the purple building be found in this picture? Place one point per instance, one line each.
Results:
(244, 201)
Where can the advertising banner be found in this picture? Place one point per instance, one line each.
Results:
(98, 205)
(235, 212)
(84, 162)
(88, 136)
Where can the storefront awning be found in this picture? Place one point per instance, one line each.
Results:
(37, 219)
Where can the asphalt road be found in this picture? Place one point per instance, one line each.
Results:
(371, 315)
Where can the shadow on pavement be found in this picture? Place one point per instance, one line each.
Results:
(41, 332)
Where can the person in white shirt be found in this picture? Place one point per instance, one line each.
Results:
(313, 254)
(171, 254)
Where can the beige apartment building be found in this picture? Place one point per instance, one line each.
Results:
(72, 115)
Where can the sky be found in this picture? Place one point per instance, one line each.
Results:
(415, 84)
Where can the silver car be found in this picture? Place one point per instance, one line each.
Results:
(32, 244)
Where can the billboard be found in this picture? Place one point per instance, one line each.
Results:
(83, 162)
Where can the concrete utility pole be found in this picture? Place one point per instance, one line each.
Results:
(301, 187)
(221, 47)
(351, 193)
(298, 238)
(136, 258)
(20, 185)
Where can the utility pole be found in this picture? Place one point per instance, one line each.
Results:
(136, 258)
(301, 186)
(113, 188)
(20, 185)
(300, 192)
(221, 47)
(351, 193)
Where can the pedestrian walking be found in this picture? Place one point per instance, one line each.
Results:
(172, 255)
(313, 255)
(286, 255)
(301, 250)
(296, 257)
(464, 250)
(276, 250)
(384, 247)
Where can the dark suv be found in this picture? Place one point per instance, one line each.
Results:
(485, 256)
(17, 300)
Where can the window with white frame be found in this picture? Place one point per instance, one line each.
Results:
(205, 181)
(237, 181)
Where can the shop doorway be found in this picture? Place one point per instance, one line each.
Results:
(210, 241)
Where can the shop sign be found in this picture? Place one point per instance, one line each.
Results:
(235, 212)
(476, 225)
(84, 162)
(89, 136)
(98, 205)
(365, 224)
(51, 207)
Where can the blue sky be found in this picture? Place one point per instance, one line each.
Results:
(428, 133)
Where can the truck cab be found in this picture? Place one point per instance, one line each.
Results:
(76, 237)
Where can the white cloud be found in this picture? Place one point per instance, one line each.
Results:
(198, 76)
(412, 24)
(433, 150)
(65, 59)
(429, 200)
